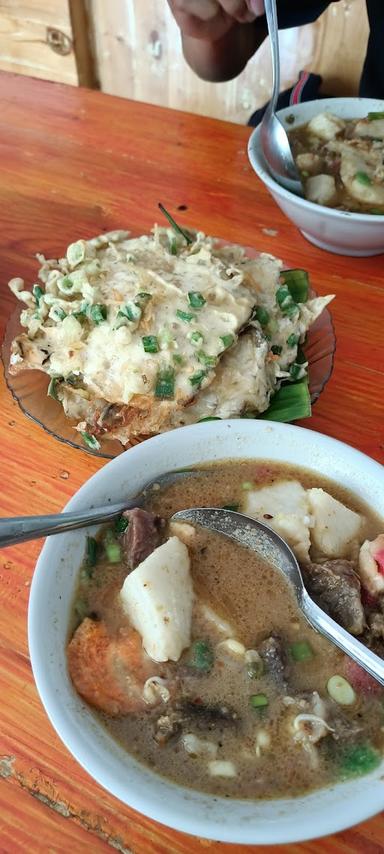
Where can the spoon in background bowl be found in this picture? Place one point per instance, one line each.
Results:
(272, 548)
(274, 138)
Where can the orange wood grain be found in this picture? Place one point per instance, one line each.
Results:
(75, 162)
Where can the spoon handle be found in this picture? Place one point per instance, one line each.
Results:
(273, 32)
(345, 641)
(18, 529)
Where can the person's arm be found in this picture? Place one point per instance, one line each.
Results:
(219, 36)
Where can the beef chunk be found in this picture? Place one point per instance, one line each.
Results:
(208, 716)
(335, 587)
(143, 535)
(376, 625)
(275, 659)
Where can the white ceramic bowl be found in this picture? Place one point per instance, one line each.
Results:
(52, 590)
(342, 232)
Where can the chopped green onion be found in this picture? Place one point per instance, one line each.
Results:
(291, 402)
(90, 441)
(52, 388)
(363, 178)
(143, 296)
(38, 293)
(165, 339)
(301, 651)
(67, 283)
(297, 282)
(91, 551)
(82, 314)
(150, 343)
(262, 315)
(74, 380)
(247, 484)
(76, 253)
(208, 361)
(165, 383)
(172, 245)
(258, 701)
(201, 656)
(293, 340)
(61, 314)
(178, 359)
(296, 371)
(131, 312)
(372, 117)
(227, 340)
(112, 547)
(276, 349)
(121, 525)
(196, 338)
(196, 299)
(233, 507)
(340, 690)
(285, 301)
(175, 226)
(185, 316)
(209, 418)
(98, 313)
(197, 379)
(358, 760)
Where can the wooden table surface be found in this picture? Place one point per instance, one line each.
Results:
(74, 163)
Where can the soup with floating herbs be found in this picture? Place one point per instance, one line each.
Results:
(193, 653)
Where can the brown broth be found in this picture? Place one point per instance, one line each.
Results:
(303, 141)
(256, 599)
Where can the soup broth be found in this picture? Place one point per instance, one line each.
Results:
(341, 162)
(248, 710)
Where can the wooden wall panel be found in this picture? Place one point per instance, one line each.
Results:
(138, 55)
(36, 39)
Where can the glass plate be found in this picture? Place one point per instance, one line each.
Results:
(30, 387)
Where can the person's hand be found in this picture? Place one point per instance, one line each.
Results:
(213, 19)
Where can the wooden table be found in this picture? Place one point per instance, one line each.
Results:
(75, 163)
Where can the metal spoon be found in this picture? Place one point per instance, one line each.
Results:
(264, 541)
(18, 529)
(273, 136)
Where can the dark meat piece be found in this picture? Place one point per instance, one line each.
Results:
(335, 587)
(376, 625)
(143, 535)
(208, 717)
(167, 727)
(275, 660)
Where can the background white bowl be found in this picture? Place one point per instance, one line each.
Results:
(52, 590)
(342, 232)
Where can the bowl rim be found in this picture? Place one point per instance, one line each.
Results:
(315, 821)
(258, 163)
